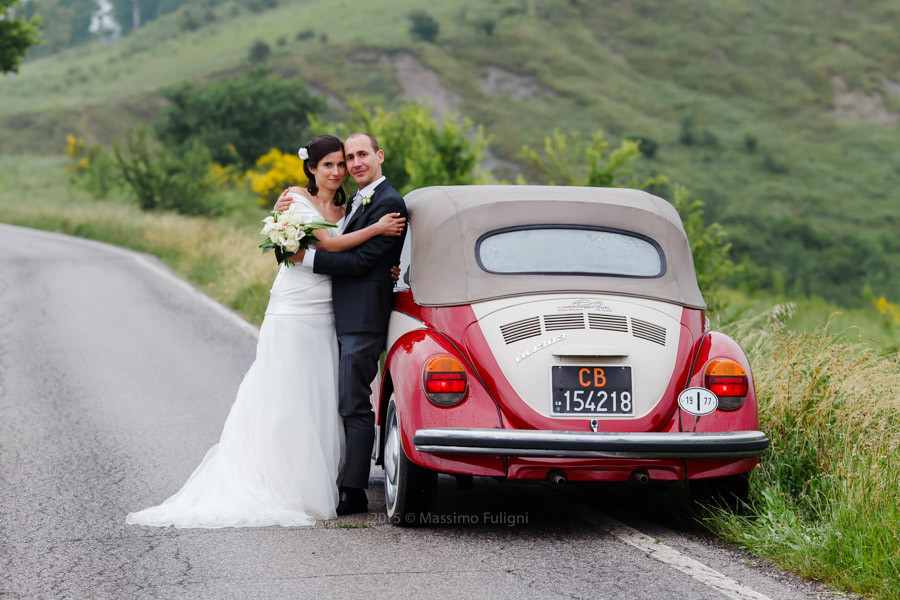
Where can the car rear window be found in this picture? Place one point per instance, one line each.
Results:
(569, 250)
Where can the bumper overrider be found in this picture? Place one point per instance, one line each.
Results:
(579, 444)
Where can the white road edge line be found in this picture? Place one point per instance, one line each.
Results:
(156, 266)
(665, 554)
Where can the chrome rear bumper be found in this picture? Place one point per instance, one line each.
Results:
(579, 444)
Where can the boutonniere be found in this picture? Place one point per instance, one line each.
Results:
(365, 198)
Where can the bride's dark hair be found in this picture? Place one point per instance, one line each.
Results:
(318, 148)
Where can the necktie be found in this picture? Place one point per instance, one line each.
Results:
(354, 205)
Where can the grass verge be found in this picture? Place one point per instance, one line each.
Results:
(824, 501)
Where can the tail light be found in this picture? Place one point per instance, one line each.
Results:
(728, 381)
(444, 380)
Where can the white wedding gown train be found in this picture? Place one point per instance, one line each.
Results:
(278, 458)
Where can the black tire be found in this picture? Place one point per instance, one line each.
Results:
(408, 488)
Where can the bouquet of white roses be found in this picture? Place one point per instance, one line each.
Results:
(288, 233)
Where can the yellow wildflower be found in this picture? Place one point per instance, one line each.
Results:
(888, 309)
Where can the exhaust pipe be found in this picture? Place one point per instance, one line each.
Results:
(556, 477)
(639, 477)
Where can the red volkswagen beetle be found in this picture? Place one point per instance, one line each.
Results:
(555, 333)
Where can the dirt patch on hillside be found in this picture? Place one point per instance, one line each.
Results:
(330, 98)
(520, 88)
(859, 106)
(891, 88)
(421, 84)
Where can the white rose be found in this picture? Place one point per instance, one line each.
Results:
(292, 246)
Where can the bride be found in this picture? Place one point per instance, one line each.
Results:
(278, 458)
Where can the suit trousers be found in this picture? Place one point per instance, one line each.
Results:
(358, 364)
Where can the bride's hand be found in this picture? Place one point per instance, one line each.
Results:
(390, 224)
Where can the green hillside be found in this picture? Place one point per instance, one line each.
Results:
(781, 117)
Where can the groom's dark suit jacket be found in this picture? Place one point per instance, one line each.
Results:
(362, 285)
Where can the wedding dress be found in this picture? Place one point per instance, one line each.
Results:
(278, 458)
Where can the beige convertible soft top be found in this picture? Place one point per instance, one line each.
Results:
(446, 222)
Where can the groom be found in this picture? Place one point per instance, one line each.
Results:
(362, 289)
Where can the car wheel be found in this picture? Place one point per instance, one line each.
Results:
(408, 488)
(732, 491)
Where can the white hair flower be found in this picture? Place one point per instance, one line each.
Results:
(303, 153)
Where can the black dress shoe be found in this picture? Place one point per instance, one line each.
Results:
(352, 501)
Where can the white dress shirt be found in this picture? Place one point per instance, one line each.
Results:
(310, 256)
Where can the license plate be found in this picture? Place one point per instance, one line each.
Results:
(591, 390)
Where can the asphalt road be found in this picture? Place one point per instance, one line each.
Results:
(116, 377)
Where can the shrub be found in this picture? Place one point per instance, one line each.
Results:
(423, 26)
(274, 172)
(751, 142)
(486, 26)
(773, 165)
(239, 120)
(709, 247)
(306, 34)
(189, 21)
(575, 161)
(648, 146)
(889, 310)
(16, 35)
(687, 136)
(259, 51)
(709, 139)
(163, 180)
(92, 167)
(260, 5)
(571, 160)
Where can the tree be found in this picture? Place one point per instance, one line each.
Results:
(16, 36)
(571, 160)
(423, 26)
(419, 151)
(709, 247)
(63, 23)
(162, 180)
(239, 120)
(574, 161)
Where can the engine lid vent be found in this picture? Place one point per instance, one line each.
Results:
(648, 331)
(558, 322)
(520, 330)
(607, 322)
